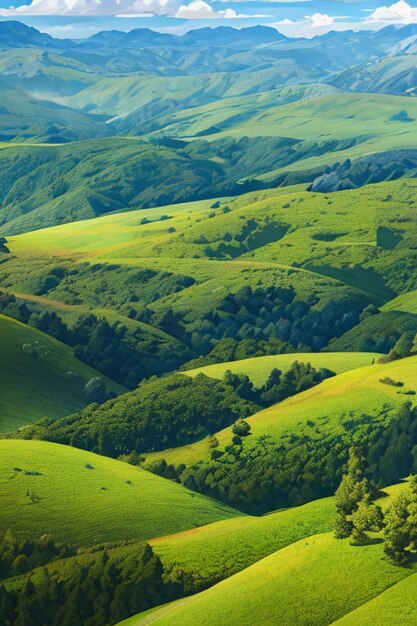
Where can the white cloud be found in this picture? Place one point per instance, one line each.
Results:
(88, 7)
(198, 9)
(399, 13)
(312, 25)
(321, 19)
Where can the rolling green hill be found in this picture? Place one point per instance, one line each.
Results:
(81, 498)
(201, 557)
(39, 377)
(397, 605)
(394, 75)
(353, 393)
(259, 368)
(406, 303)
(289, 587)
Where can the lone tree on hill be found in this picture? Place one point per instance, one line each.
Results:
(401, 526)
(355, 512)
(241, 428)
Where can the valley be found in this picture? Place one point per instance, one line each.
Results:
(208, 324)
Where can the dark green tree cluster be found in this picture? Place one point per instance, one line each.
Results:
(163, 413)
(278, 386)
(401, 526)
(20, 556)
(273, 312)
(171, 411)
(393, 454)
(96, 588)
(233, 350)
(356, 514)
(258, 474)
(404, 347)
(126, 357)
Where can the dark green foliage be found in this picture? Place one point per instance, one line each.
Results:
(278, 386)
(126, 357)
(390, 381)
(355, 512)
(401, 526)
(368, 517)
(232, 350)
(168, 412)
(373, 168)
(261, 474)
(103, 585)
(19, 557)
(171, 411)
(273, 313)
(376, 332)
(241, 428)
(402, 348)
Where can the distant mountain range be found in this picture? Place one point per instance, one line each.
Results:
(224, 88)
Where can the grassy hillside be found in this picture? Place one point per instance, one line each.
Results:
(347, 396)
(397, 606)
(379, 332)
(206, 555)
(39, 377)
(312, 582)
(81, 498)
(300, 267)
(286, 229)
(406, 303)
(259, 368)
(203, 556)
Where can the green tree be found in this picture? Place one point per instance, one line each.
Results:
(353, 489)
(241, 428)
(401, 525)
(367, 517)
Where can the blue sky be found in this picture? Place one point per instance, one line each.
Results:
(306, 18)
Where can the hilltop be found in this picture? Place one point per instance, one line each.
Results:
(80, 498)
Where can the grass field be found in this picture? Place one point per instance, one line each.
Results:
(259, 368)
(314, 242)
(39, 376)
(203, 556)
(406, 303)
(352, 394)
(81, 498)
(397, 606)
(309, 583)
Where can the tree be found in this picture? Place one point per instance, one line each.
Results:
(401, 525)
(367, 517)
(396, 530)
(353, 489)
(241, 428)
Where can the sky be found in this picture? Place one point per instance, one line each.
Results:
(77, 19)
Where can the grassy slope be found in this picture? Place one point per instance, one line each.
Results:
(362, 117)
(352, 393)
(211, 553)
(299, 258)
(259, 368)
(74, 508)
(406, 303)
(37, 386)
(351, 236)
(310, 583)
(397, 606)
(219, 550)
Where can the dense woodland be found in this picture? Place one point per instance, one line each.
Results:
(172, 411)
